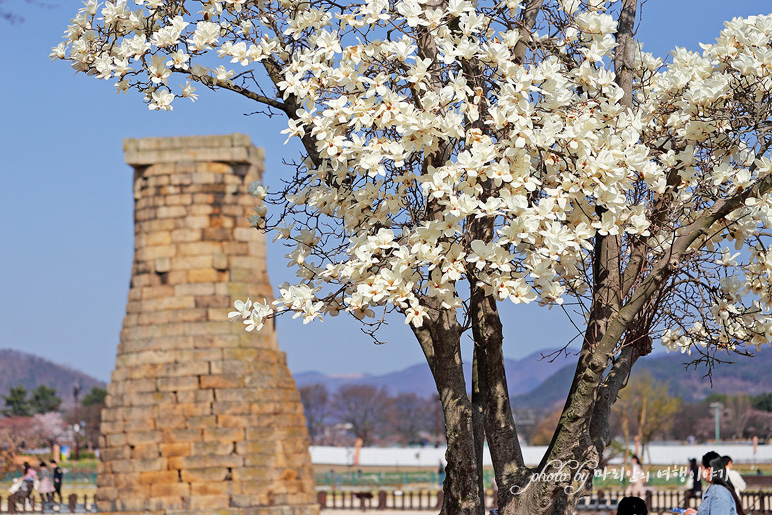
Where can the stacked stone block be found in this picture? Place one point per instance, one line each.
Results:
(201, 416)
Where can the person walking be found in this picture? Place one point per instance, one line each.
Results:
(441, 473)
(30, 476)
(46, 486)
(737, 480)
(58, 475)
(720, 497)
(23, 487)
(694, 483)
(637, 476)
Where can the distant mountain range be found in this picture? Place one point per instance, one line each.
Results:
(746, 375)
(523, 375)
(535, 382)
(30, 371)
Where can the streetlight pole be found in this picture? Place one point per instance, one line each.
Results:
(76, 393)
(716, 407)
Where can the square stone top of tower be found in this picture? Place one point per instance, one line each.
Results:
(231, 148)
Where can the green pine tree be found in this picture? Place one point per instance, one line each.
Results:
(44, 400)
(16, 403)
(94, 397)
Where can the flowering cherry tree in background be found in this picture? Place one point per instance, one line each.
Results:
(49, 427)
(19, 435)
(16, 434)
(460, 154)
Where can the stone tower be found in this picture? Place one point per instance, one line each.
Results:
(201, 416)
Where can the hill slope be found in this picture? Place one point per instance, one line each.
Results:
(30, 371)
(745, 375)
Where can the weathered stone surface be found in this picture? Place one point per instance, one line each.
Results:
(201, 418)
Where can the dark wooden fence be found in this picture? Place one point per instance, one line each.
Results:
(74, 504)
(381, 500)
(658, 501)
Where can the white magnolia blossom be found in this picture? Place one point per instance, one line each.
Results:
(543, 152)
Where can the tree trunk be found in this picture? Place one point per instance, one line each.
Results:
(479, 392)
(440, 340)
(460, 490)
(641, 424)
(565, 473)
(500, 429)
(626, 431)
(566, 470)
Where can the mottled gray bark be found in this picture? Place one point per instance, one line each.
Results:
(499, 423)
(440, 340)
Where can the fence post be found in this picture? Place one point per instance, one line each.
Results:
(72, 501)
(381, 500)
(439, 499)
(321, 499)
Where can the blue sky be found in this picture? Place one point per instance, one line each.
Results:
(66, 230)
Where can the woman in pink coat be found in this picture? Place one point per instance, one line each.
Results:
(46, 487)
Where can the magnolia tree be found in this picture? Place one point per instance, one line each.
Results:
(460, 154)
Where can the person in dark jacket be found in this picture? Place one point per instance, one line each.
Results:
(57, 480)
(695, 478)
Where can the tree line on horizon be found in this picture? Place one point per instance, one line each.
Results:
(645, 411)
(371, 414)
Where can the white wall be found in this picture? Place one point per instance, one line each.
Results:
(430, 457)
